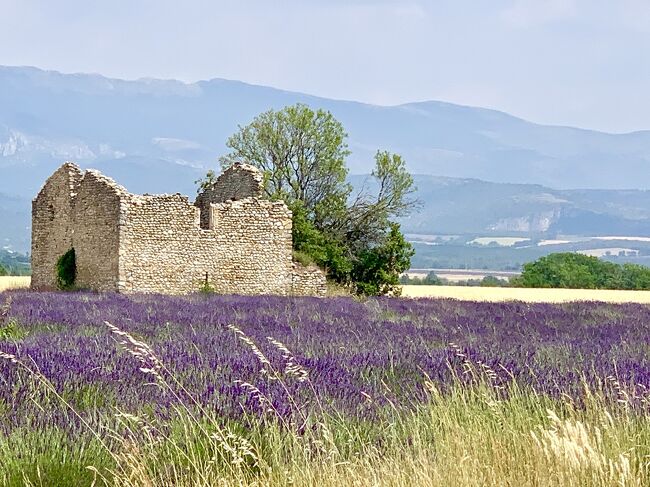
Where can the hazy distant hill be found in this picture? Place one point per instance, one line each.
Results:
(464, 206)
(159, 136)
(46, 117)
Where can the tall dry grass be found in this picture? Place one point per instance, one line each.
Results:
(466, 439)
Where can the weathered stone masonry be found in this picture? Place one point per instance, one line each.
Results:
(123, 242)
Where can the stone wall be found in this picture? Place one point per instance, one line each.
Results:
(96, 239)
(52, 222)
(247, 250)
(256, 246)
(159, 244)
(307, 281)
(237, 182)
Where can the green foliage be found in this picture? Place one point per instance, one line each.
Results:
(302, 153)
(396, 183)
(314, 246)
(10, 331)
(303, 258)
(492, 281)
(367, 218)
(3, 271)
(66, 270)
(377, 269)
(206, 182)
(578, 271)
(431, 279)
(635, 276)
(206, 287)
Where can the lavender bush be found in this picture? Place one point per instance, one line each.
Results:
(360, 355)
(227, 390)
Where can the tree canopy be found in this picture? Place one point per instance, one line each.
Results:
(301, 153)
(578, 271)
(353, 236)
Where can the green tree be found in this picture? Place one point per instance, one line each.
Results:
(312, 246)
(560, 270)
(432, 279)
(3, 271)
(377, 269)
(492, 281)
(635, 276)
(368, 216)
(573, 270)
(302, 154)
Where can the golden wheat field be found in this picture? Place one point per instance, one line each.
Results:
(13, 282)
(471, 293)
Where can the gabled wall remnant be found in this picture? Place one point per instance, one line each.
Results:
(238, 242)
(97, 231)
(52, 223)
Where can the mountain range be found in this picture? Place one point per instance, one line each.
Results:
(478, 170)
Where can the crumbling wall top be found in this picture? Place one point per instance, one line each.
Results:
(238, 182)
(68, 172)
(92, 177)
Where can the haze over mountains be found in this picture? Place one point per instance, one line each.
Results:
(159, 136)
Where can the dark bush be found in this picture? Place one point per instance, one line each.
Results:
(66, 270)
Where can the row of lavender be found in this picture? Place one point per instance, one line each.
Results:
(359, 355)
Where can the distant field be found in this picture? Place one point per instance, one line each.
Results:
(525, 294)
(466, 251)
(503, 241)
(633, 239)
(13, 282)
(457, 275)
(609, 251)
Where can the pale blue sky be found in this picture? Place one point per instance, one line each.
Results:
(569, 62)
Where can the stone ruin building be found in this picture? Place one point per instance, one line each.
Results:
(230, 237)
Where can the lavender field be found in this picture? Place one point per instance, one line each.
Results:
(380, 376)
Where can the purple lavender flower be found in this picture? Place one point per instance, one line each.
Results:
(350, 350)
